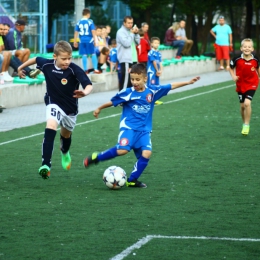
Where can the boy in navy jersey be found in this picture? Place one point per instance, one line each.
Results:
(61, 99)
(136, 121)
(245, 71)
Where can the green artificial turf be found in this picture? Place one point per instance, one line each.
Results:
(203, 181)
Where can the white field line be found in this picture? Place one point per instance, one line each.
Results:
(146, 239)
(114, 115)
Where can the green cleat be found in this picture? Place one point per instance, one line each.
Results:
(135, 184)
(245, 130)
(66, 161)
(45, 172)
(91, 159)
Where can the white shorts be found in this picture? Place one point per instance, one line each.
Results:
(55, 112)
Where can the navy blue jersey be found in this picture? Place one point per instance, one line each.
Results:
(138, 106)
(60, 84)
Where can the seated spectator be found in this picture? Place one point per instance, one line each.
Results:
(171, 40)
(108, 38)
(14, 41)
(5, 57)
(13, 62)
(181, 35)
(102, 59)
(143, 48)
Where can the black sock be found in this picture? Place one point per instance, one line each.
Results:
(65, 144)
(47, 146)
(99, 66)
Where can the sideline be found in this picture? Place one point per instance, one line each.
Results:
(148, 238)
(114, 115)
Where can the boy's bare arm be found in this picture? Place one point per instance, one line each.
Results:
(233, 75)
(181, 84)
(98, 110)
(25, 64)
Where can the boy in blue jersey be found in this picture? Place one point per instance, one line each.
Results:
(113, 61)
(154, 65)
(136, 121)
(85, 29)
(61, 99)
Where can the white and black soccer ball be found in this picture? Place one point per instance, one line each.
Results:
(114, 177)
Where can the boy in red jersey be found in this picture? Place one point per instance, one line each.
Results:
(142, 49)
(245, 71)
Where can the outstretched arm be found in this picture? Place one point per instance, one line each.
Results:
(98, 110)
(82, 93)
(25, 64)
(181, 84)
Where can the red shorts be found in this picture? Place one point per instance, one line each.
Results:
(222, 52)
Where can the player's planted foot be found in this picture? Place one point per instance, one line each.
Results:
(90, 159)
(45, 172)
(66, 161)
(245, 129)
(135, 184)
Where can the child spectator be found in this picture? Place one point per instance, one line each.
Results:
(113, 61)
(136, 122)
(142, 48)
(62, 82)
(85, 29)
(154, 66)
(245, 71)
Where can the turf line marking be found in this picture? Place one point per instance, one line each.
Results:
(148, 238)
(114, 115)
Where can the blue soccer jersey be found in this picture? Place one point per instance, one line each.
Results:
(156, 56)
(60, 84)
(85, 27)
(113, 57)
(138, 106)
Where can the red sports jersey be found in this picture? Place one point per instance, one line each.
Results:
(247, 71)
(142, 50)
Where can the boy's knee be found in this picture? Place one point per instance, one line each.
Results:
(146, 154)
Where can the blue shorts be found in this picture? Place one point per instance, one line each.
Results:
(86, 48)
(136, 140)
(152, 79)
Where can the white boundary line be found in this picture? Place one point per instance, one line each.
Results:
(114, 115)
(148, 238)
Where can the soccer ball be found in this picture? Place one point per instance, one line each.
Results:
(114, 177)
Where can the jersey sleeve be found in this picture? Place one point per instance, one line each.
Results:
(120, 97)
(40, 62)
(161, 91)
(81, 76)
(233, 62)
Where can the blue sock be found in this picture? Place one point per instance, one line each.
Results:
(94, 61)
(108, 154)
(85, 62)
(139, 167)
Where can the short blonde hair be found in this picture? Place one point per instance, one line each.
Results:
(62, 46)
(247, 40)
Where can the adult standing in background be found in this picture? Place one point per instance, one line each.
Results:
(223, 35)
(127, 38)
(181, 35)
(145, 28)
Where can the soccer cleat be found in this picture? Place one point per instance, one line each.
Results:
(66, 161)
(91, 159)
(158, 102)
(135, 184)
(97, 72)
(34, 73)
(245, 130)
(45, 172)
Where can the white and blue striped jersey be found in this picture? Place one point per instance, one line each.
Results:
(138, 106)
